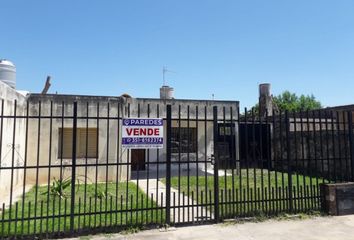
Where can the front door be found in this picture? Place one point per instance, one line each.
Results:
(254, 145)
(138, 159)
(226, 146)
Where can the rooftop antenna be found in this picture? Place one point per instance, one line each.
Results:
(164, 71)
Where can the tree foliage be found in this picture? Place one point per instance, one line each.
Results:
(288, 101)
(291, 102)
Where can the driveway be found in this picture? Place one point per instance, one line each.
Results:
(331, 228)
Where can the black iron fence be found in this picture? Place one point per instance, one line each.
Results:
(63, 170)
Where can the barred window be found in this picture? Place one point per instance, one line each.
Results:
(85, 137)
(184, 140)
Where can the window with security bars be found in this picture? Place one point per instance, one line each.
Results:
(184, 140)
(86, 143)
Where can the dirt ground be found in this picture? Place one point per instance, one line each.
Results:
(331, 228)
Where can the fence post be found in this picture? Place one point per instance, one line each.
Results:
(288, 156)
(73, 169)
(351, 146)
(168, 164)
(216, 165)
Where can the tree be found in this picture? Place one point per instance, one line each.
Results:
(291, 102)
(288, 101)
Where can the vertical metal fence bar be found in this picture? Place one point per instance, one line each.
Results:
(179, 162)
(321, 144)
(254, 163)
(73, 169)
(327, 147)
(282, 192)
(1, 127)
(117, 165)
(296, 195)
(309, 159)
(148, 174)
(86, 163)
(40, 220)
(288, 156)
(137, 178)
(238, 146)
(188, 162)
(118, 159)
(275, 158)
(269, 159)
(24, 170)
(206, 159)
(304, 202)
(233, 159)
(261, 203)
(168, 164)
(216, 165)
(49, 165)
(79, 215)
(37, 165)
(224, 164)
(53, 216)
(61, 162)
(346, 143)
(334, 159)
(339, 140)
(195, 141)
(246, 193)
(28, 217)
(1, 145)
(351, 144)
(157, 167)
(107, 163)
(13, 146)
(128, 164)
(96, 162)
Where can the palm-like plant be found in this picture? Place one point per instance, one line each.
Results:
(58, 186)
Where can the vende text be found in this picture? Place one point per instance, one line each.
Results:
(143, 131)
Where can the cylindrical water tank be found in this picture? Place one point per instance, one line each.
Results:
(166, 92)
(8, 73)
(264, 89)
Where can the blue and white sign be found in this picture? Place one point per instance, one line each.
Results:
(142, 133)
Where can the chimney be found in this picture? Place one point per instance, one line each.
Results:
(265, 100)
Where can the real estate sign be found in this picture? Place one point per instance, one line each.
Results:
(142, 133)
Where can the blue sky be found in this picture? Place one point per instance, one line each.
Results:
(219, 47)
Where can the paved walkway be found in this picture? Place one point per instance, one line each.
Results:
(320, 228)
(178, 214)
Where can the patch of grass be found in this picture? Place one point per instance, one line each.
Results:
(96, 205)
(252, 191)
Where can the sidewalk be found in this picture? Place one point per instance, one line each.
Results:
(331, 228)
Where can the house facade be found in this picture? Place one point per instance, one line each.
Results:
(43, 130)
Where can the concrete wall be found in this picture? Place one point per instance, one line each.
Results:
(45, 150)
(12, 140)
